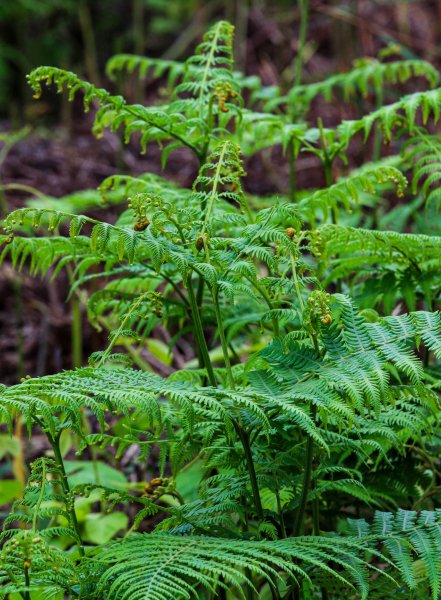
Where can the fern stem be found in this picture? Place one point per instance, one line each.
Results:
(292, 172)
(304, 13)
(121, 328)
(243, 436)
(300, 514)
(223, 339)
(315, 515)
(27, 595)
(207, 68)
(267, 299)
(296, 283)
(281, 517)
(40, 497)
(327, 161)
(199, 333)
(55, 443)
(77, 341)
(216, 181)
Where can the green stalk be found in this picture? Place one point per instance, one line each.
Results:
(315, 515)
(77, 334)
(55, 443)
(40, 498)
(304, 14)
(243, 436)
(292, 172)
(305, 487)
(267, 299)
(223, 339)
(27, 595)
(216, 179)
(88, 35)
(327, 161)
(378, 135)
(281, 517)
(199, 332)
(296, 283)
(121, 328)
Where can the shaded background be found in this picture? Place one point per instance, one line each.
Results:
(57, 154)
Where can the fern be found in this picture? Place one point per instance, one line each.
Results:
(392, 115)
(286, 351)
(177, 564)
(423, 153)
(412, 537)
(366, 73)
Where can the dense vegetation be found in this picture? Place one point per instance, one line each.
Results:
(297, 456)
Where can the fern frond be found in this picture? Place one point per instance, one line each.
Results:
(167, 567)
(390, 116)
(158, 67)
(367, 73)
(423, 151)
(408, 537)
(347, 192)
(152, 123)
(209, 73)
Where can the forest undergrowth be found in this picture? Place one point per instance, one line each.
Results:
(294, 455)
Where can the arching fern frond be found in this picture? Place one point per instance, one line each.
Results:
(409, 263)
(157, 67)
(355, 361)
(347, 191)
(166, 567)
(412, 537)
(102, 236)
(423, 151)
(367, 73)
(390, 116)
(152, 123)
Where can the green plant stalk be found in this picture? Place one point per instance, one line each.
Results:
(243, 436)
(315, 515)
(281, 516)
(327, 161)
(308, 469)
(77, 334)
(40, 498)
(207, 69)
(376, 155)
(27, 595)
(88, 35)
(305, 487)
(292, 172)
(267, 299)
(303, 31)
(223, 339)
(296, 283)
(199, 332)
(55, 443)
(211, 199)
(121, 328)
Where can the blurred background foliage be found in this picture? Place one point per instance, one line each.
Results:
(80, 35)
